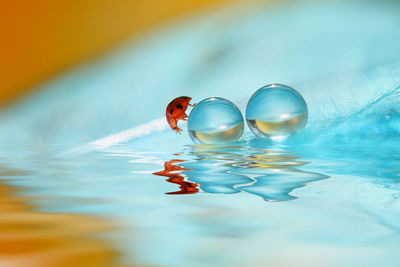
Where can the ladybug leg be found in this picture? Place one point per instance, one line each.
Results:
(183, 117)
(192, 105)
(178, 130)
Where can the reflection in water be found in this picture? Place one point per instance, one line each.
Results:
(173, 172)
(269, 173)
(32, 238)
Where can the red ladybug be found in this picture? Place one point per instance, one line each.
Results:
(176, 111)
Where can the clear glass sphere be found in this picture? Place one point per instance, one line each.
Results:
(276, 111)
(215, 120)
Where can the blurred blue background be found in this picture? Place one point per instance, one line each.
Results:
(340, 55)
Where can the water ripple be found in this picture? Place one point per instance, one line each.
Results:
(271, 174)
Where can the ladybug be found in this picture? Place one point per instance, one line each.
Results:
(176, 111)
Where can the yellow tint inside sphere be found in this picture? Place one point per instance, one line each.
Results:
(284, 127)
(223, 136)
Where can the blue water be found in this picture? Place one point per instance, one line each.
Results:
(328, 196)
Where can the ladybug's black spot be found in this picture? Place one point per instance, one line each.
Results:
(171, 111)
(179, 106)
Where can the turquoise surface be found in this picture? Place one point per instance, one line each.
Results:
(328, 196)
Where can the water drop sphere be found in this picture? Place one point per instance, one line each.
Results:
(215, 120)
(276, 111)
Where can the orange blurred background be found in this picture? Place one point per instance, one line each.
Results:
(41, 38)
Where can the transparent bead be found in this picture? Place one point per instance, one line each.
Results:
(215, 120)
(276, 111)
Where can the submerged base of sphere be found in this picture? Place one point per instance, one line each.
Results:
(265, 129)
(215, 120)
(229, 135)
(276, 111)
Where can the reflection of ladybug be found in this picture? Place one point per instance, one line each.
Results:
(173, 172)
(176, 111)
